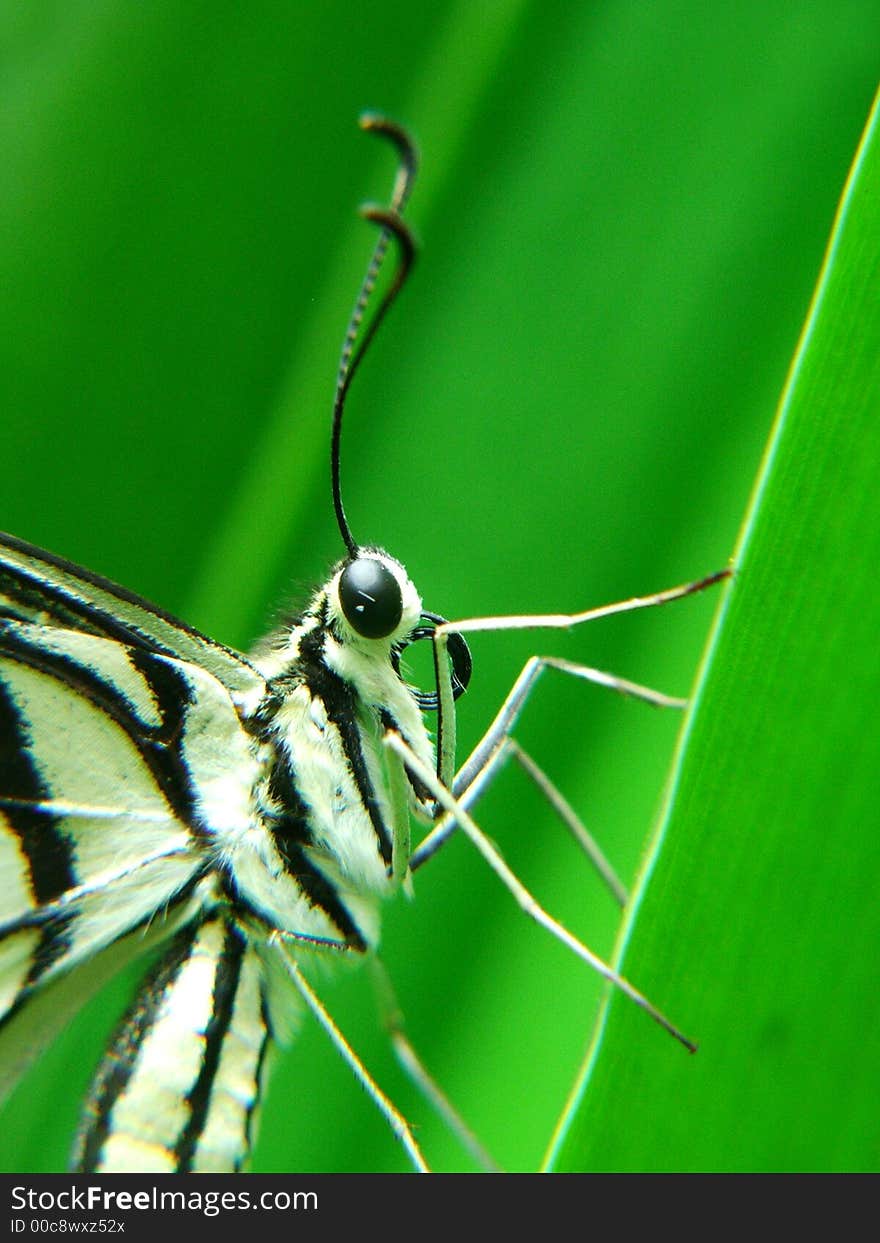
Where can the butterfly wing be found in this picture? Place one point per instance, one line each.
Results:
(39, 587)
(121, 768)
(179, 1086)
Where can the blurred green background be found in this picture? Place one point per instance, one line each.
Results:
(623, 210)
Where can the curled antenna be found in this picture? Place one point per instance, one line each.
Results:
(356, 341)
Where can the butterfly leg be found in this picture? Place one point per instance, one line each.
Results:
(400, 1128)
(565, 621)
(510, 748)
(393, 1021)
(526, 901)
(497, 746)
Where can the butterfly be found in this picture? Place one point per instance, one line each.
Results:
(243, 817)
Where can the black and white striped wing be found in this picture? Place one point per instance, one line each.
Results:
(122, 770)
(39, 587)
(178, 1090)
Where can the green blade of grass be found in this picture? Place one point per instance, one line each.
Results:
(760, 925)
(617, 204)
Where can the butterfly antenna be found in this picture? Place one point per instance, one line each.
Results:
(358, 338)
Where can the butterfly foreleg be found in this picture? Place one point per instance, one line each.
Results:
(497, 745)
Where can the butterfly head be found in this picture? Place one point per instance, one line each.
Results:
(371, 597)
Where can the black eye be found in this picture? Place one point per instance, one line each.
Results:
(370, 598)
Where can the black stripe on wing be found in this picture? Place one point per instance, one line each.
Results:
(171, 694)
(47, 851)
(37, 586)
(226, 981)
(107, 757)
(178, 1087)
(56, 926)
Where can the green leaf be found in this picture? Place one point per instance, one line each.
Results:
(757, 920)
(622, 209)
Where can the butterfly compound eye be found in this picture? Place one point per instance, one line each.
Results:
(370, 598)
